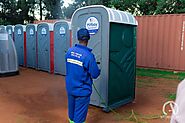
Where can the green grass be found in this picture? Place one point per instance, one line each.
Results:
(149, 76)
(155, 73)
(171, 96)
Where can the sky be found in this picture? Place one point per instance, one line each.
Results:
(66, 2)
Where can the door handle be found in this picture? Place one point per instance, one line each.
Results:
(98, 62)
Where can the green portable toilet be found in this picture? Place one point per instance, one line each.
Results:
(113, 42)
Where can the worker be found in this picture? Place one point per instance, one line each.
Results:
(81, 68)
(178, 112)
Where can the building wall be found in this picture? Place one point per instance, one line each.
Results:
(160, 41)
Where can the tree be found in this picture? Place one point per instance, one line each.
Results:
(125, 5)
(23, 9)
(68, 11)
(146, 7)
(170, 7)
(54, 8)
(14, 12)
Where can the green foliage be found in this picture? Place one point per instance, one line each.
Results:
(171, 96)
(23, 11)
(170, 6)
(125, 5)
(68, 11)
(136, 7)
(147, 7)
(16, 11)
(53, 8)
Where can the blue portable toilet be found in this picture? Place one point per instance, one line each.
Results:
(61, 45)
(45, 40)
(10, 30)
(31, 49)
(20, 41)
(2, 27)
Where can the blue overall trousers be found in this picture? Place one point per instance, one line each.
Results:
(81, 68)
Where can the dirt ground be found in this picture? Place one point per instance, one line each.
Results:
(39, 97)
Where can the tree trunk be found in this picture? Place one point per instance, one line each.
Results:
(40, 4)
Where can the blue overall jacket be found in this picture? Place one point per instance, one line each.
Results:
(81, 68)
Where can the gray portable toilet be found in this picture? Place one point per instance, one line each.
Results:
(45, 40)
(31, 48)
(8, 55)
(113, 40)
(20, 43)
(10, 30)
(61, 45)
(2, 27)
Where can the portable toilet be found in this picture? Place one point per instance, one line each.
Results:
(113, 42)
(20, 43)
(2, 27)
(31, 48)
(45, 39)
(8, 55)
(10, 30)
(61, 45)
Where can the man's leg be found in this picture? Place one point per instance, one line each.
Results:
(81, 109)
(71, 106)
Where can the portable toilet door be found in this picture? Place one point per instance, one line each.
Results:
(113, 42)
(45, 39)
(31, 41)
(61, 45)
(10, 30)
(20, 43)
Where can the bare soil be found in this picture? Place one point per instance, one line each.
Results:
(39, 97)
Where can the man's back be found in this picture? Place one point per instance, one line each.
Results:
(81, 69)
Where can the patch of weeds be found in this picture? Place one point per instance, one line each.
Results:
(156, 73)
(145, 82)
(140, 118)
(151, 117)
(171, 96)
(135, 117)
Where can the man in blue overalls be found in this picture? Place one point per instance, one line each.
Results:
(81, 68)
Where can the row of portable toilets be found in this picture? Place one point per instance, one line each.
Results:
(113, 43)
(42, 46)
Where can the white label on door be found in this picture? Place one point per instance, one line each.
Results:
(92, 25)
(4, 36)
(9, 32)
(62, 31)
(19, 32)
(43, 31)
(31, 32)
